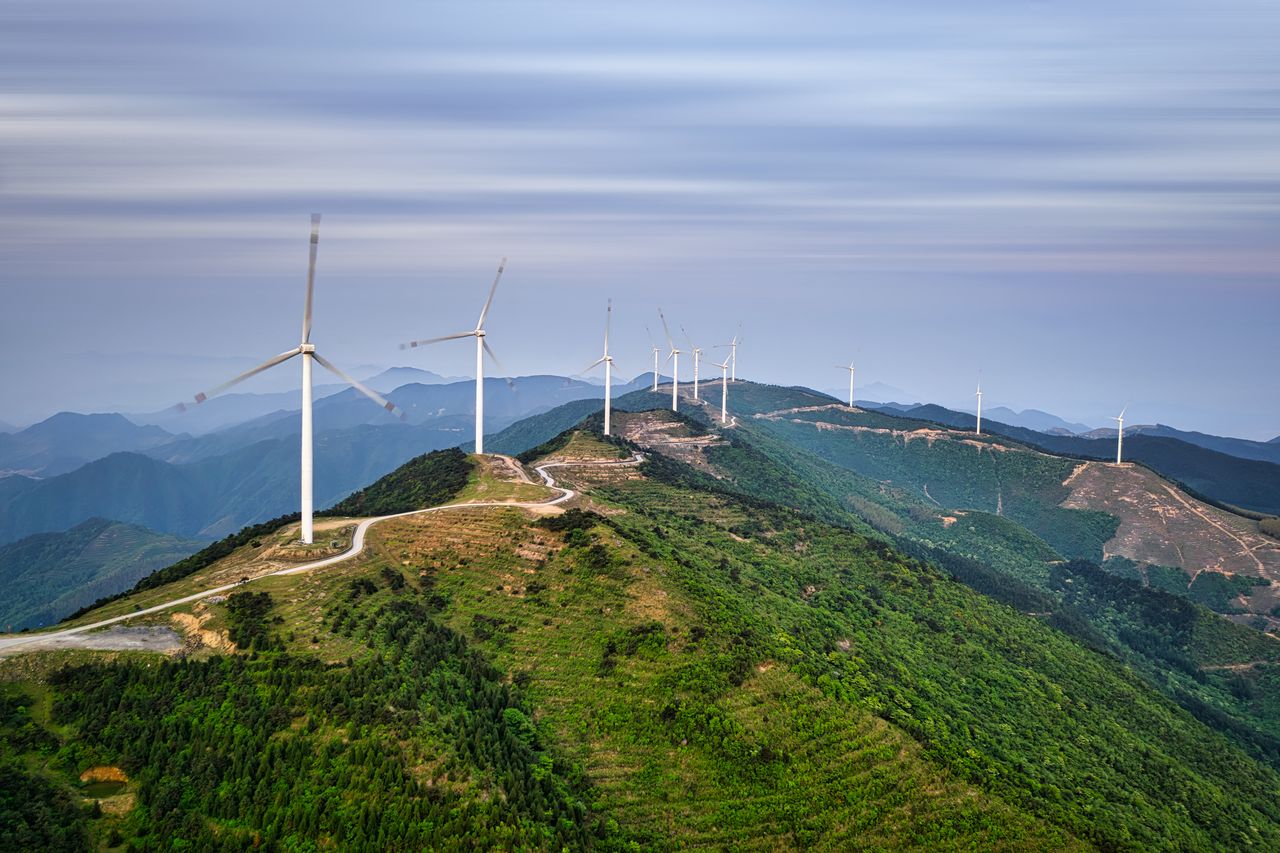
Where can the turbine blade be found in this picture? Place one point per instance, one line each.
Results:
(311, 277)
(496, 363)
(608, 318)
(368, 392)
(423, 343)
(484, 312)
(266, 365)
(667, 331)
(1122, 411)
(592, 366)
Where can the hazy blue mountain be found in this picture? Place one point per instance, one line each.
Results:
(1032, 419)
(50, 575)
(6, 427)
(394, 377)
(1261, 450)
(217, 495)
(14, 485)
(68, 440)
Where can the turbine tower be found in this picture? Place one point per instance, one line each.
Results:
(482, 347)
(656, 352)
(851, 370)
(674, 358)
(697, 357)
(1120, 434)
(607, 361)
(307, 350)
(724, 390)
(978, 394)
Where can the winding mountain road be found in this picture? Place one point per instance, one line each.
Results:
(357, 547)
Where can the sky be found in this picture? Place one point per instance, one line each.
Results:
(1077, 203)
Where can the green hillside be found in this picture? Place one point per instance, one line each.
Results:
(764, 649)
(47, 576)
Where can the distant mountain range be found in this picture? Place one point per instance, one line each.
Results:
(68, 440)
(206, 485)
(214, 484)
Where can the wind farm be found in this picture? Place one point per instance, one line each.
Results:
(575, 600)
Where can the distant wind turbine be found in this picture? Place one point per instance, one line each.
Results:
(482, 347)
(1120, 434)
(851, 370)
(697, 357)
(724, 390)
(607, 361)
(674, 358)
(978, 394)
(307, 350)
(733, 354)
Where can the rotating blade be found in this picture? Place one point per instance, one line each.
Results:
(311, 277)
(484, 312)
(424, 342)
(666, 331)
(496, 362)
(218, 389)
(391, 407)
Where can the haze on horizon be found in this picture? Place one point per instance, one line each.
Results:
(1078, 202)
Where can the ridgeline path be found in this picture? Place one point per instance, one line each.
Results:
(59, 638)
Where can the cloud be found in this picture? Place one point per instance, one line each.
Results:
(670, 149)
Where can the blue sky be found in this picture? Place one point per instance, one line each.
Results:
(1079, 202)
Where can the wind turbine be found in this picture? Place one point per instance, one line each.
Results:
(733, 354)
(307, 350)
(978, 394)
(1120, 433)
(482, 347)
(655, 359)
(697, 357)
(607, 361)
(724, 390)
(674, 358)
(851, 370)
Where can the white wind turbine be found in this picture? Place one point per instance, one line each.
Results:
(978, 394)
(733, 354)
(674, 358)
(724, 390)
(852, 369)
(482, 347)
(1120, 433)
(656, 352)
(307, 350)
(607, 361)
(697, 357)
